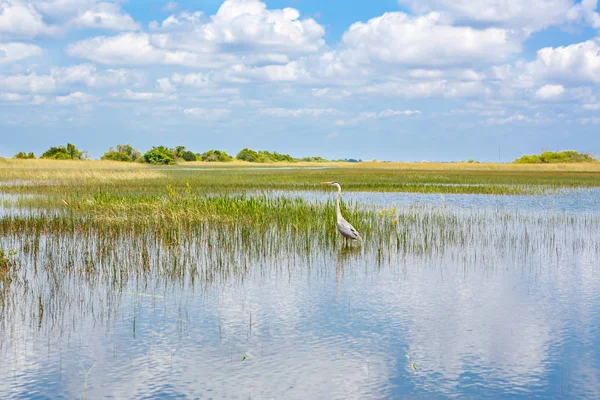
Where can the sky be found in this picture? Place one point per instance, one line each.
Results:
(397, 80)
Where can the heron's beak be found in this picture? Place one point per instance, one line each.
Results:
(325, 183)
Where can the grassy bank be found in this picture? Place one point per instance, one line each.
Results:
(88, 177)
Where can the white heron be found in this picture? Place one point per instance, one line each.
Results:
(345, 227)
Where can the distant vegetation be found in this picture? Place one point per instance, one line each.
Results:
(24, 155)
(123, 152)
(215, 155)
(68, 152)
(554, 157)
(163, 155)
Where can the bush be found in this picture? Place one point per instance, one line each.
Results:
(248, 155)
(23, 155)
(68, 152)
(216, 155)
(128, 149)
(113, 155)
(314, 159)
(275, 156)
(551, 157)
(263, 156)
(188, 156)
(159, 155)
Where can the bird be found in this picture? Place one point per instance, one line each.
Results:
(345, 227)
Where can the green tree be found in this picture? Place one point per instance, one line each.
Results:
(133, 154)
(159, 155)
(113, 155)
(123, 152)
(68, 152)
(24, 155)
(216, 155)
(551, 157)
(248, 155)
(189, 156)
(57, 153)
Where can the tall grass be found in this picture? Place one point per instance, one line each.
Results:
(62, 177)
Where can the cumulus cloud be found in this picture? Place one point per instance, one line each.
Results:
(89, 75)
(31, 83)
(242, 31)
(129, 94)
(76, 98)
(366, 116)
(530, 16)
(548, 92)
(11, 52)
(207, 113)
(578, 62)
(298, 112)
(399, 39)
(105, 16)
(27, 19)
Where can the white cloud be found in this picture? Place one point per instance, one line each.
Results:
(548, 92)
(531, 15)
(425, 89)
(207, 113)
(165, 85)
(298, 112)
(88, 75)
(76, 98)
(242, 31)
(10, 97)
(399, 39)
(11, 52)
(20, 20)
(31, 18)
(366, 116)
(507, 120)
(142, 96)
(577, 63)
(105, 16)
(585, 12)
(195, 80)
(246, 25)
(31, 83)
(132, 49)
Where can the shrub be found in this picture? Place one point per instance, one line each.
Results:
(68, 152)
(248, 155)
(128, 149)
(551, 157)
(113, 155)
(216, 155)
(159, 155)
(188, 156)
(23, 155)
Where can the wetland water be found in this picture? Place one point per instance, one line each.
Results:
(480, 297)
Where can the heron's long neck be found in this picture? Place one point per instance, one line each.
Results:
(337, 204)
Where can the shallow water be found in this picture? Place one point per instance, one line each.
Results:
(506, 304)
(565, 200)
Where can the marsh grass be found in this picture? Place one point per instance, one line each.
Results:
(96, 231)
(66, 177)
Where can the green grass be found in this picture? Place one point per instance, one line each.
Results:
(65, 178)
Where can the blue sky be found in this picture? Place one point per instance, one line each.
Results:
(390, 79)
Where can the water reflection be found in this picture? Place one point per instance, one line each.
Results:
(458, 304)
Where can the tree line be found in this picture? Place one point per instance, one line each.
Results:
(168, 156)
(554, 157)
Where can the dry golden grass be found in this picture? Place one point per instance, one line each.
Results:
(53, 170)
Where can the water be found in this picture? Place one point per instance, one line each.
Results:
(505, 303)
(565, 200)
